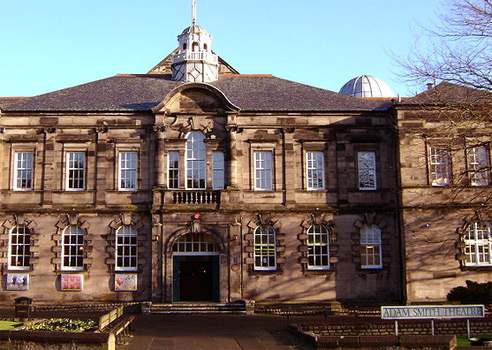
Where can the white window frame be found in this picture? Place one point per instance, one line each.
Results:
(367, 170)
(218, 171)
(23, 170)
(479, 165)
(19, 253)
(127, 171)
(318, 243)
(72, 248)
(72, 167)
(315, 171)
(263, 170)
(439, 166)
(478, 244)
(126, 255)
(196, 161)
(371, 247)
(173, 172)
(265, 248)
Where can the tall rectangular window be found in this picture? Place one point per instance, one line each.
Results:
(478, 244)
(126, 248)
(265, 248)
(19, 248)
(75, 171)
(218, 170)
(370, 247)
(23, 171)
(263, 171)
(439, 170)
(318, 248)
(478, 166)
(128, 171)
(196, 153)
(173, 170)
(72, 248)
(367, 170)
(315, 170)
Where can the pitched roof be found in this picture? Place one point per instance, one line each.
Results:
(142, 92)
(445, 93)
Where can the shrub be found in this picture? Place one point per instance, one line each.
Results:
(473, 293)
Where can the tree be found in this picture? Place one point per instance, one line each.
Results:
(459, 49)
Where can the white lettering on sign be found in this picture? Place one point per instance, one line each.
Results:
(439, 311)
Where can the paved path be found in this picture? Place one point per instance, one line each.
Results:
(217, 332)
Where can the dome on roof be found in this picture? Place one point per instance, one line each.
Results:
(194, 29)
(367, 86)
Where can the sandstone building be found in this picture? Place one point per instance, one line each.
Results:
(194, 182)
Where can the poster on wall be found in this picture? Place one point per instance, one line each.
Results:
(125, 282)
(73, 283)
(17, 281)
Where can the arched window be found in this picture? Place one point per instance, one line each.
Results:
(195, 161)
(205, 47)
(73, 248)
(184, 47)
(265, 248)
(195, 47)
(126, 248)
(478, 244)
(370, 247)
(318, 247)
(196, 243)
(19, 248)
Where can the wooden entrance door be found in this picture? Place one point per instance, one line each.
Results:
(196, 278)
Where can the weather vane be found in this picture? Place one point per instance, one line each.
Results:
(193, 12)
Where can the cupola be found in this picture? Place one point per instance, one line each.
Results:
(195, 61)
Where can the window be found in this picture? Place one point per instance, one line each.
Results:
(318, 248)
(73, 248)
(195, 161)
(19, 248)
(265, 248)
(478, 244)
(75, 171)
(370, 247)
(173, 170)
(128, 171)
(218, 170)
(439, 166)
(479, 166)
(315, 170)
(263, 171)
(23, 171)
(196, 243)
(126, 248)
(367, 170)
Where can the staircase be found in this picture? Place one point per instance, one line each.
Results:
(197, 308)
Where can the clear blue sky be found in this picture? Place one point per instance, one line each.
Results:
(48, 45)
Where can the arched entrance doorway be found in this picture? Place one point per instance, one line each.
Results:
(196, 268)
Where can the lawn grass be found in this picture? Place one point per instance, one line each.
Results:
(463, 340)
(6, 325)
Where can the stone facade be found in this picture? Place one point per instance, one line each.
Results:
(437, 213)
(148, 188)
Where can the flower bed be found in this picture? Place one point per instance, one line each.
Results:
(63, 325)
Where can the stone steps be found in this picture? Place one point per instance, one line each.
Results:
(196, 308)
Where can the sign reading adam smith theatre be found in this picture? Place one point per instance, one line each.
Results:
(438, 311)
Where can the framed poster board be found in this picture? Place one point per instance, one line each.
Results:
(72, 283)
(17, 281)
(125, 282)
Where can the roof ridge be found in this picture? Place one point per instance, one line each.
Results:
(245, 75)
